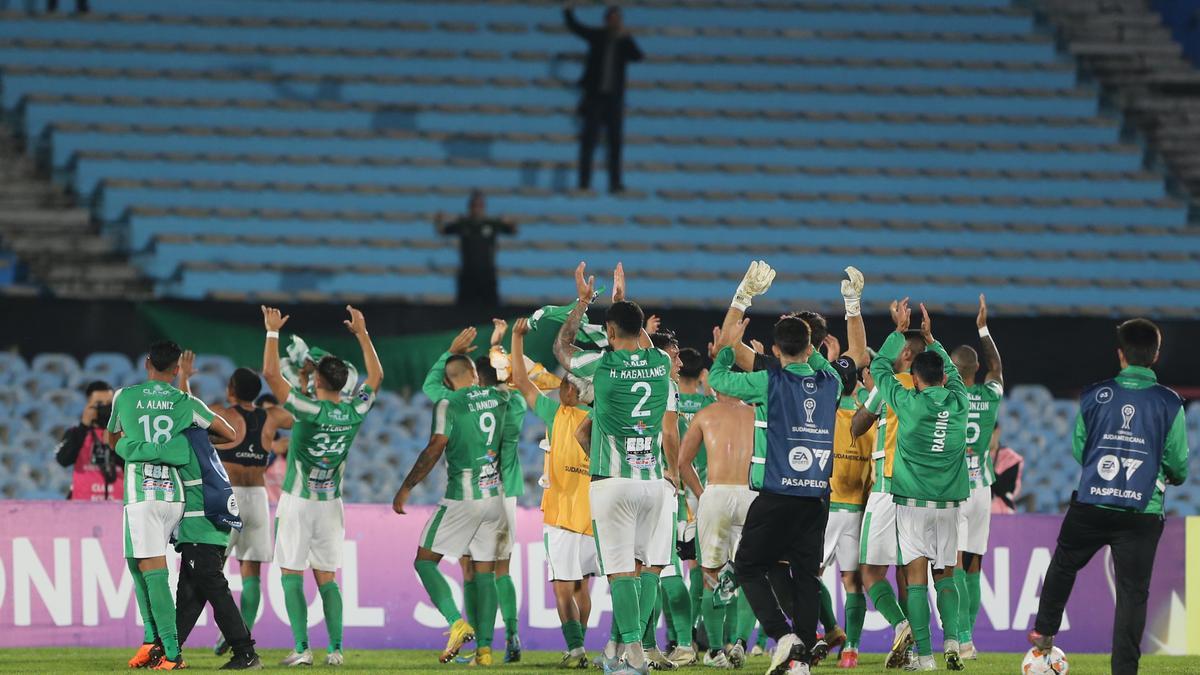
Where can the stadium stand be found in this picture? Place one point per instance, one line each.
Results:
(39, 399)
(303, 147)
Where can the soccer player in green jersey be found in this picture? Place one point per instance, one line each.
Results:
(310, 522)
(469, 422)
(975, 514)
(634, 443)
(929, 478)
(144, 418)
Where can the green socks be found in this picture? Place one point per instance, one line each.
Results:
(626, 609)
(695, 591)
(573, 634)
(947, 603)
(297, 609)
(856, 614)
(647, 600)
(745, 619)
(435, 585)
(143, 601)
(331, 601)
(485, 607)
(470, 600)
(251, 598)
(162, 607)
(960, 587)
(828, 617)
(506, 593)
(966, 622)
(714, 620)
(918, 616)
(678, 607)
(762, 637)
(649, 637)
(884, 600)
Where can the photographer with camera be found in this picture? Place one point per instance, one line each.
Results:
(97, 467)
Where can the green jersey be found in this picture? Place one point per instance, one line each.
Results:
(930, 467)
(154, 412)
(321, 437)
(473, 420)
(689, 405)
(981, 424)
(633, 392)
(195, 528)
(510, 451)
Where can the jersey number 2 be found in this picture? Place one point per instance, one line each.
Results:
(637, 409)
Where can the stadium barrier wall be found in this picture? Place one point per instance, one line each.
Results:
(63, 583)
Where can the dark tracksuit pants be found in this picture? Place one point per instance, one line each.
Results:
(1133, 538)
(202, 580)
(595, 111)
(783, 528)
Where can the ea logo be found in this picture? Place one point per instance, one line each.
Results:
(800, 458)
(1108, 467)
(809, 385)
(1104, 395)
(231, 506)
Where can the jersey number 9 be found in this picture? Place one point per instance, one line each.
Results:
(487, 424)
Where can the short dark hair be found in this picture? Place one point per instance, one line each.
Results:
(627, 318)
(334, 371)
(692, 363)
(246, 384)
(1139, 340)
(928, 367)
(265, 399)
(818, 329)
(914, 340)
(95, 386)
(663, 338)
(487, 373)
(164, 355)
(792, 335)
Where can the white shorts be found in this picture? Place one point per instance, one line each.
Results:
(660, 549)
(927, 532)
(504, 552)
(842, 534)
(720, 516)
(253, 541)
(975, 521)
(148, 527)
(309, 533)
(475, 527)
(877, 545)
(571, 556)
(627, 514)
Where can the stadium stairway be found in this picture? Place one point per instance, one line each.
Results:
(254, 148)
(61, 248)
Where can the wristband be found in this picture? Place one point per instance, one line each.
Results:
(272, 334)
(983, 332)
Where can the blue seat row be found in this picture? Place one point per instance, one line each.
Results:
(90, 170)
(67, 140)
(887, 71)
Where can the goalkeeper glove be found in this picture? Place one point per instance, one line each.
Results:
(852, 288)
(756, 282)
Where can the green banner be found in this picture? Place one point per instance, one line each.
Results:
(405, 358)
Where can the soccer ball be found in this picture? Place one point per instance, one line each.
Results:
(1038, 662)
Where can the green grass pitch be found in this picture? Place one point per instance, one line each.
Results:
(78, 660)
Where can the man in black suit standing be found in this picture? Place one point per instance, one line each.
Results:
(610, 50)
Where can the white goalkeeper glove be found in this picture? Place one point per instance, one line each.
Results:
(852, 288)
(756, 282)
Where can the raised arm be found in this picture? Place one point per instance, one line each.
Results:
(357, 325)
(277, 419)
(574, 26)
(520, 377)
(274, 321)
(954, 381)
(757, 280)
(564, 344)
(856, 330)
(434, 385)
(991, 355)
(882, 370)
(749, 387)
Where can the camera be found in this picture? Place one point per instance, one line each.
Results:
(103, 413)
(105, 459)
